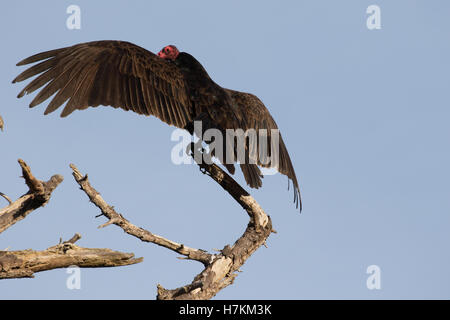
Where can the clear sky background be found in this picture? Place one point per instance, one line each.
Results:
(364, 114)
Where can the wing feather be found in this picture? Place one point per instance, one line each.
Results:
(114, 73)
(258, 117)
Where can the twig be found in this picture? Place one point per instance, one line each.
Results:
(74, 239)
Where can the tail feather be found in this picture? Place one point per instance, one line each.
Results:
(252, 175)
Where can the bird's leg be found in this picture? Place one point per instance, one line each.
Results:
(198, 126)
(196, 150)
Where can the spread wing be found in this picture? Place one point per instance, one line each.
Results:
(110, 73)
(258, 117)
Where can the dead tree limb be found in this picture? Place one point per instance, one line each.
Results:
(24, 263)
(220, 269)
(38, 195)
(140, 233)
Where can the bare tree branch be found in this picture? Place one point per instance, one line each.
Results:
(142, 234)
(2, 123)
(220, 269)
(24, 263)
(38, 195)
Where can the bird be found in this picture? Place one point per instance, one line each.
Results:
(170, 85)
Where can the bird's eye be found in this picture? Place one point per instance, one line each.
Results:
(167, 50)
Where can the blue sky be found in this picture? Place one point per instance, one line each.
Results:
(364, 114)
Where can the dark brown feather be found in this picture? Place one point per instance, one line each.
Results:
(258, 117)
(39, 56)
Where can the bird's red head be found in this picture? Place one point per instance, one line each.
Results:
(169, 52)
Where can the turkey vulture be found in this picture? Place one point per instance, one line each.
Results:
(172, 85)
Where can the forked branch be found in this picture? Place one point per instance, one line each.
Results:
(219, 269)
(38, 195)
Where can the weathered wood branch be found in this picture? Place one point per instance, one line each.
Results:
(38, 195)
(220, 269)
(24, 263)
(140, 233)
